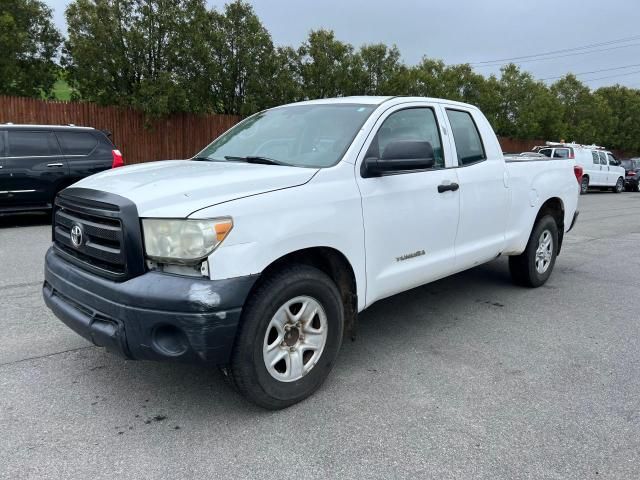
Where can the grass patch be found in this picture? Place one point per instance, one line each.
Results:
(62, 90)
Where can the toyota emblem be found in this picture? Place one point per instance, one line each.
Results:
(76, 235)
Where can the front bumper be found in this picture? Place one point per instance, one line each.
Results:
(154, 316)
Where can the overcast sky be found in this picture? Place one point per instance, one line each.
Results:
(460, 31)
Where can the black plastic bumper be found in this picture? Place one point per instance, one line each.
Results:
(154, 316)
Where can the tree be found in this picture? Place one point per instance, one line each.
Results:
(380, 67)
(327, 66)
(624, 106)
(129, 52)
(524, 107)
(585, 117)
(29, 44)
(245, 55)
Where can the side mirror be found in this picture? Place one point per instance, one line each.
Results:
(398, 156)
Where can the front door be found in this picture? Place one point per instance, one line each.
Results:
(34, 167)
(410, 226)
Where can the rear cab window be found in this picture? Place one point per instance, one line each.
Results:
(562, 153)
(469, 146)
(31, 144)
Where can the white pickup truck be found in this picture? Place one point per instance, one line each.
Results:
(259, 252)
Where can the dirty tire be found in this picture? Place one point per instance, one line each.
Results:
(248, 368)
(584, 185)
(523, 267)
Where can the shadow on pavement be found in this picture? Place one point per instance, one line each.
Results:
(420, 313)
(31, 219)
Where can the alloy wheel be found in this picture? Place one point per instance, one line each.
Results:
(544, 252)
(295, 339)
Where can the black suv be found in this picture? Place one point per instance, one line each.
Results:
(632, 177)
(37, 161)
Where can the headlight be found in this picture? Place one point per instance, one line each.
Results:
(183, 241)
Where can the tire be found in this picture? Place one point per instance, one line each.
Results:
(584, 185)
(528, 269)
(299, 365)
(619, 186)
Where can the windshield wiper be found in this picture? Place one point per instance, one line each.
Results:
(254, 159)
(205, 159)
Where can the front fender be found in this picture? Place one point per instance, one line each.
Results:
(326, 212)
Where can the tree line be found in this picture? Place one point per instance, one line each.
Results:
(169, 56)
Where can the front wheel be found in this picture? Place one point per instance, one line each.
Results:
(289, 338)
(533, 267)
(619, 186)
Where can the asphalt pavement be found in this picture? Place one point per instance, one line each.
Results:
(468, 377)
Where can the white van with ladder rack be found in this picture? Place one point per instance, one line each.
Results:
(601, 169)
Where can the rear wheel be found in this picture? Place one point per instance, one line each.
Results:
(584, 185)
(534, 266)
(289, 338)
(619, 186)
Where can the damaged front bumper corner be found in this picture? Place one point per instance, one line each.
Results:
(154, 316)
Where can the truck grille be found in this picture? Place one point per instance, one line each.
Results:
(93, 235)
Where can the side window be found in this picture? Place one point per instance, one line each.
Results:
(603, 158)
(76, 143)
(546, 152)
(410, 124)
(31, 144)
(561, 153)
(596, 158)
(612, 160)
(466, 136)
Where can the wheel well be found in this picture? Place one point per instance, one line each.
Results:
(555, 208)
(333, 263)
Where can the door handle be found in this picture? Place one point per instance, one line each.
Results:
(55, 164)
(448, 187)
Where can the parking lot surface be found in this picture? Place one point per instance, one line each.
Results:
(468, 377)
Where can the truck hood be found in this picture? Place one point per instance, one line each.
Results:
(177, 188)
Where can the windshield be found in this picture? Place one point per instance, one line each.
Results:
(298, 135)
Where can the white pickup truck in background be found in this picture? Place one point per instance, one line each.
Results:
(258, 253)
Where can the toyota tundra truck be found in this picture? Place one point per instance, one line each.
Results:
(257, 254)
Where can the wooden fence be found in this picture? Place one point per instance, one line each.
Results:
(178, 136)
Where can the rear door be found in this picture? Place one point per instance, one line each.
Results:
(484, 196)
(606, 180)
(34, 167)
(4, 193)
(86, 152)
(597, 176)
